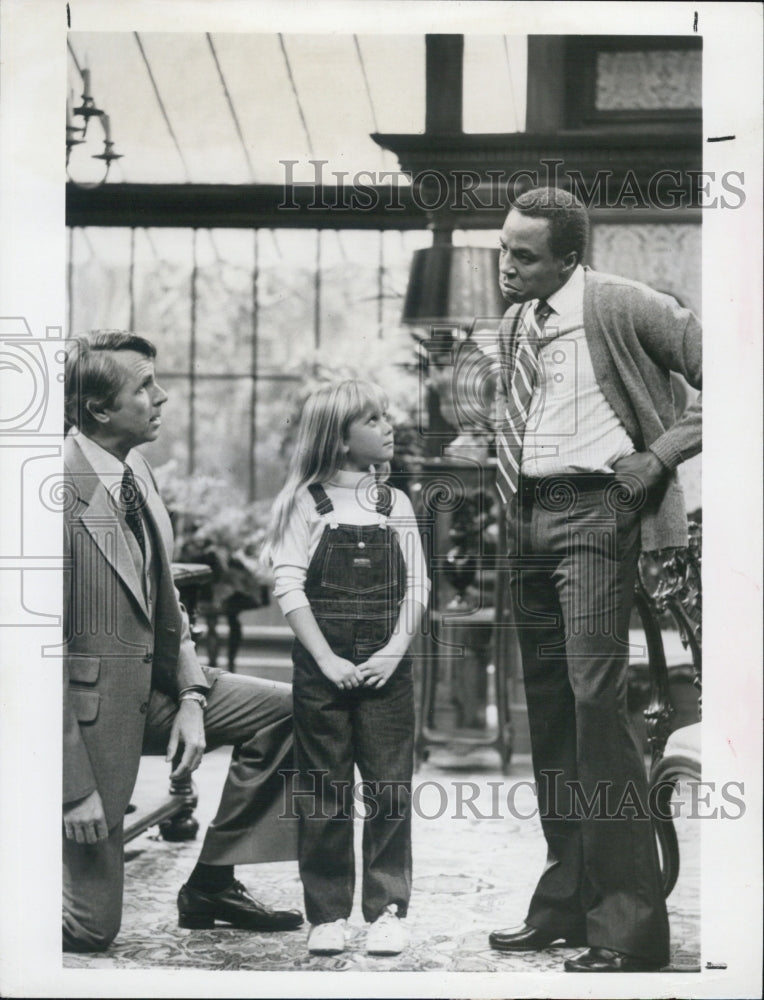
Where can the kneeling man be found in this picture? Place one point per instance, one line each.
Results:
(132, 682)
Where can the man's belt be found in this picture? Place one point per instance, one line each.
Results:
(532, 487)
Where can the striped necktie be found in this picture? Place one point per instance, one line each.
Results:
(527, 340)
(132, 501)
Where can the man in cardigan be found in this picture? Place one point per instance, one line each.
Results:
(132, 682)
(588, 444)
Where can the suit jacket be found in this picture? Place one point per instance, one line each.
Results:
(116, 652)
(636, 337)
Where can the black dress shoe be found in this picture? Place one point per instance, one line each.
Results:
(526, 938)
(605, 960)
(234, 906)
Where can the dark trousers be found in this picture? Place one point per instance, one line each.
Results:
(251, 824)
(572, 580)
(334, 730)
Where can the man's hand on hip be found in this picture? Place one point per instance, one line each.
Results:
(85, 820)
(644, 466)
(188, 732)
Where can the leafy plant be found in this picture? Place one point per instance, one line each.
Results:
(212, 520)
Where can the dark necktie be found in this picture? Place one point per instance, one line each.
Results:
(518, 405)
(131, 500)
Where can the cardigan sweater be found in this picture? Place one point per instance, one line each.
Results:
(636, 337)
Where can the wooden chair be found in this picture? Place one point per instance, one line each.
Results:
(670, 583)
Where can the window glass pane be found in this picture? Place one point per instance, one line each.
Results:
(162, 293)
(395, 69)
(187, 78)
(223, 429)
(495, 74)
(296, 97)
(286, 297)
(100, 279)
(398, 248)
(225, 260)
(353, 340)
(349, 290)
(275, 407)
(340, 114)
(476, 238)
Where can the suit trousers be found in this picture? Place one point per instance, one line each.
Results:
(251, 825)
(572, 572)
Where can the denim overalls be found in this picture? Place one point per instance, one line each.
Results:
(355, 583)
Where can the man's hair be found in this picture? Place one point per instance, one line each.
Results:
(91, 374)
(567, 218)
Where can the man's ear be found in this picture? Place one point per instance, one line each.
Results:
(97, 411)
(569, 262)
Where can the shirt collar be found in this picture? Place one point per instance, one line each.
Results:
(348, 478)
(571, 295)
(105, 465)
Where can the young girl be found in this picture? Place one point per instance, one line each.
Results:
(350, 578)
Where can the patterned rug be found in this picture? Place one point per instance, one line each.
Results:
(471, 875)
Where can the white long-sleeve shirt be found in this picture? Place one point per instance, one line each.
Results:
(349, 493)
(573, 428)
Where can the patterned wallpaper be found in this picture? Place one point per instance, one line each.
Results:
(665, 256)
(647, 81)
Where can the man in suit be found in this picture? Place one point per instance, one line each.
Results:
(132, 682)
(587, 450)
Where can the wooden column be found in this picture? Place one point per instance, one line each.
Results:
(443, 88)
(545, 102)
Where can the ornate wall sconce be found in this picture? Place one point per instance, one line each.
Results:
(77, 135)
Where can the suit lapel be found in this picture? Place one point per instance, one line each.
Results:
(160, 521)
(168, 625)
(160, 525)
(100, 520)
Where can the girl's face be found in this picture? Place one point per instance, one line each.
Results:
(369, 440)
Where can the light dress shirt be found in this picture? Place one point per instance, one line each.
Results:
(571, 427)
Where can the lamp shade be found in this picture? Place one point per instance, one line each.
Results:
(453, 285)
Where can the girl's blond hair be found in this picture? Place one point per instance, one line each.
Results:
(318, 453)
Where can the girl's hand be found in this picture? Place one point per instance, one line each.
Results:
(341, 672)
(378, 669)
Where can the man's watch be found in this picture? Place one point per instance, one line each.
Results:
(194, 696)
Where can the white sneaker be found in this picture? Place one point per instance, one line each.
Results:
(387, 935)
(327, 939)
